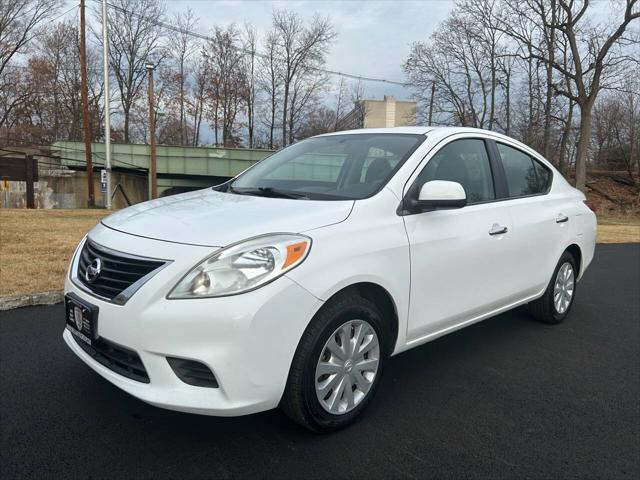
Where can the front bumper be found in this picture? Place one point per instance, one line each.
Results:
(248, 340)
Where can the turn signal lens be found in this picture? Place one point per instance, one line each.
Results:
(294, 253)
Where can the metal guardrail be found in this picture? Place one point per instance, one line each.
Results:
(171, 160)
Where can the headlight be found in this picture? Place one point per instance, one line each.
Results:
(244, 266)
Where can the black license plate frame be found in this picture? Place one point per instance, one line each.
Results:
(86, 329)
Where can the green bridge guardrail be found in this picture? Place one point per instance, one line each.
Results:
(171, 160)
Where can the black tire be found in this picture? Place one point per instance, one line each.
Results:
(543, 309)
(300, 401)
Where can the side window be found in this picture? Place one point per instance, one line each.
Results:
(466, 162)
(525, 175)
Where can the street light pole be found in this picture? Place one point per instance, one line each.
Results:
(153, 181)
(85, 108)
(107, 122)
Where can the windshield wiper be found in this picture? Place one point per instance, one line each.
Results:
(269, 192)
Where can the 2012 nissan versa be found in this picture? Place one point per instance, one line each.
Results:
(293, 283)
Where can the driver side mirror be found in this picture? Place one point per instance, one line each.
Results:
(439, 195)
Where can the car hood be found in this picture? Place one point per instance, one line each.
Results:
(212, 218)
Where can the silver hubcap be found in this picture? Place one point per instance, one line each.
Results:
(563, 288)
(347, 367)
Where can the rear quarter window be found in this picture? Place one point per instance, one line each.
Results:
(525, 175)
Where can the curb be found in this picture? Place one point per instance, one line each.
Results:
(42, 298)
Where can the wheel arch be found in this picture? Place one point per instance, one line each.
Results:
(381, 297)
(575, 250)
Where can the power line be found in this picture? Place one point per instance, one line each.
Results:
(63, 13)
(202, 36)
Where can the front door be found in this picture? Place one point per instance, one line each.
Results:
(461, 259)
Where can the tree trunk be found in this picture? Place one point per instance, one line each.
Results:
(250, 118)
(492, 104)
(284, 114)
(182, 116)
(290, 129)
(546, 135)
(272, 126)
(507, 92)
(582, 148)
(529, 134)
(433, 93)
(562, 161)
(126, 126)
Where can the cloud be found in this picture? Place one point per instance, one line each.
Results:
(373, 36)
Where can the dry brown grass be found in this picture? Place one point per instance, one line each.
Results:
(36, 245)
(618, 233)
(619, 229)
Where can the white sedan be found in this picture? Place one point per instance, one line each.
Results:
(293, 283)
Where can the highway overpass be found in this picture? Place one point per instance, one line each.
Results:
(179, 168)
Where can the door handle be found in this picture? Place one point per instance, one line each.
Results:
(561, 218)
(498, 229)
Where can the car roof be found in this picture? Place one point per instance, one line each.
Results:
(419, 130)
(436, 133)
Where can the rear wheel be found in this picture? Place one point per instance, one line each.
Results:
(337, 365)
(554, 305)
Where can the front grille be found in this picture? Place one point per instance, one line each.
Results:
(118, 272)
(119, 359)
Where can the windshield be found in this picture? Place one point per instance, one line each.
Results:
(336, 167)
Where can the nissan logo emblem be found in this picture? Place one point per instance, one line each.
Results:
(93, 270)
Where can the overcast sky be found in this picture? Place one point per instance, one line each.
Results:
(373, 36)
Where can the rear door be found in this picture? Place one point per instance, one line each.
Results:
(461, 259)
(541, 220)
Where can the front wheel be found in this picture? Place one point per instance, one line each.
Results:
(337, 365)
(555, 303)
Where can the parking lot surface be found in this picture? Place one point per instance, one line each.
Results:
(505, 398)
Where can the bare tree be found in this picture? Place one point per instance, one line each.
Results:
(596, 56)
(270, 81)
(340, 100)
(50, 84)
(317, 122)
(301, 50)
(225, 57)
(456, 63)
(250, 46)
(505, 72)
(134, 40)
(616, 127)
(197, 99)
(19, 22)
(181, 48)
(488, 35)
(304, 93)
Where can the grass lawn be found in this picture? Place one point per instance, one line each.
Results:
(36, 245)
(618, 229)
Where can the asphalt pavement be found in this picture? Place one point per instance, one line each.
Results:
(506, 398)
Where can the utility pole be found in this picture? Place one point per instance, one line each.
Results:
(85, 108)
(107, 123)
(153, 181)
